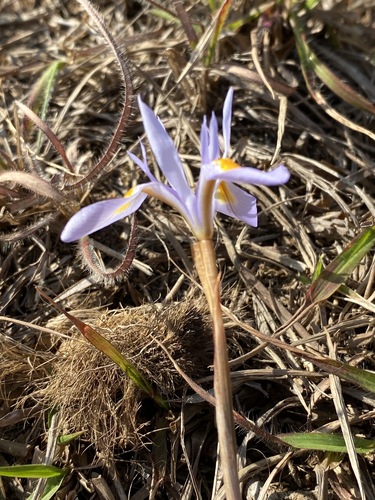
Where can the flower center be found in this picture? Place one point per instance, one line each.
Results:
(226, 164)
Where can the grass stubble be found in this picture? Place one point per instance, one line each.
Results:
(128, 447)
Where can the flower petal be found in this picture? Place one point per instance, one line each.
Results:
(99, 215)
(142, 164)
(214, 147)
(167, 195)
(227, 118)
(164, 150)
(204, 139)
(249, 175)
(235, 202)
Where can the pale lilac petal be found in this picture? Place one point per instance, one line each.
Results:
(204, 139)
(249, 175)
(227, 118)
(214, 147)
(164, 150)
(202, 223)
(172, 198)
(142, 164)
(99, 215)
(235, 202)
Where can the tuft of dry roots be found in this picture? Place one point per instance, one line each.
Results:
(95, 396)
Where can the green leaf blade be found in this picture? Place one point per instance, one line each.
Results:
(40, 96)
(220, 21)
(326, 442)
(336, 273)
(363, 378)
(32, 471)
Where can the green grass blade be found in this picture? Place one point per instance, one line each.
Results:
(318, 270)
(220, 21)
(352, 374)
(213, 5)
(68, 438)
(40, 96)
(32, 471)
(336, 273)
(109, 350)
(51, 487)
(326, 442)
(310, 4)
(312, 64)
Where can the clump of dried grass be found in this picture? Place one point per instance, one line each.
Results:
(20, 365)
(94, 395)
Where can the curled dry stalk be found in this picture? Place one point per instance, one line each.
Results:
(125, 112)
(92, 262)
(57, 194)
(127, 98)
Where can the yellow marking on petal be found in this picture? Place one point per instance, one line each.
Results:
(227, 164)
(125, 205)
(129, 193)
(122, 208)
(224, 195)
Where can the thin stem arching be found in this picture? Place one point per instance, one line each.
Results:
(121, 272)
(127, 98)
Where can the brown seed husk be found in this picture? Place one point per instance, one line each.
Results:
(94, 395)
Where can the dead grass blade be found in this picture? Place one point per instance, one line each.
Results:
(344, 422)
(48, 133)
(33, 183)
(310, 66)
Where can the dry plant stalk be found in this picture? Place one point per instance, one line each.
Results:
(205, 261)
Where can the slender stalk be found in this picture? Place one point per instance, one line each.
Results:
(205, 261)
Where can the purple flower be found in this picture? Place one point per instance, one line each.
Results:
(216, 190)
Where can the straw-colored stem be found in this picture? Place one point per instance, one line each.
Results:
(205, 261)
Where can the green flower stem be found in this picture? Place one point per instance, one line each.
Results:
(205, 260)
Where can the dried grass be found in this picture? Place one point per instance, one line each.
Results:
(94, 395)
(313, 217)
